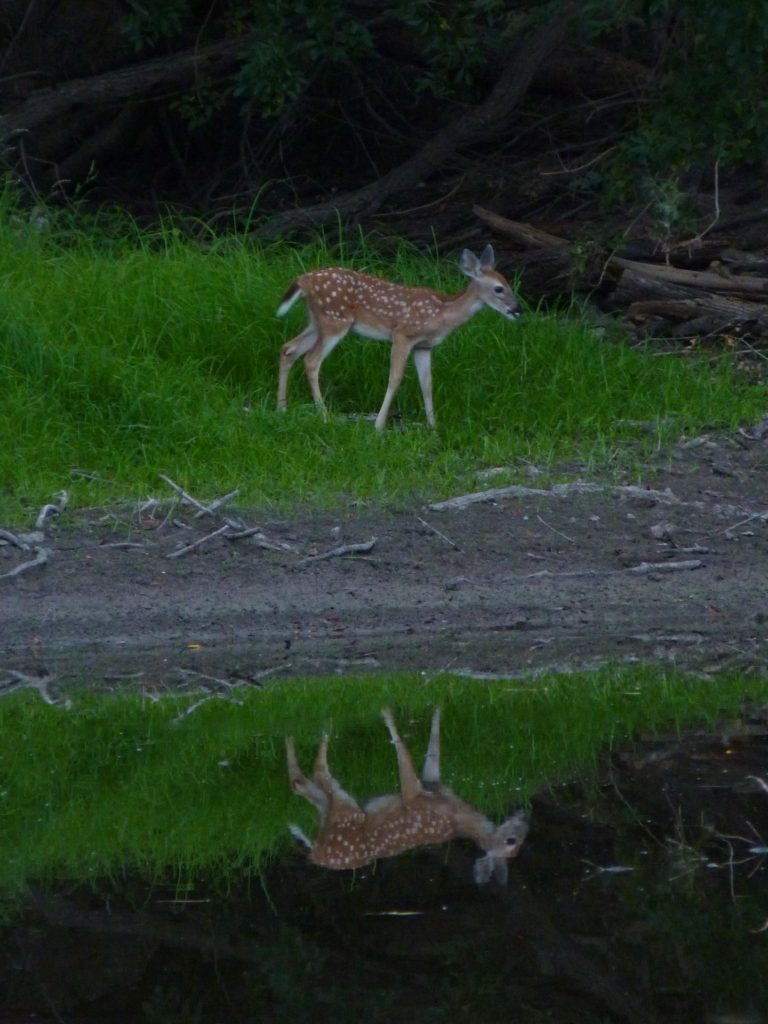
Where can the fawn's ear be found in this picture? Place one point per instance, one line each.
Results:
(470, 264)
(483, 868)
(487, 260)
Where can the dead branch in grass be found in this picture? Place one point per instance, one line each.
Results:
(202, 508)
(52, 509)
(183, 494)
(211, 507)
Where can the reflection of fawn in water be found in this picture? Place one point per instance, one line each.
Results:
(423, 812)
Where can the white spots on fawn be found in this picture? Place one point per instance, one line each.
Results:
(340, 300)
(424, 811)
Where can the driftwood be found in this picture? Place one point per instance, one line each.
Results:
(630, 492)
(730, 294)
(339, 552)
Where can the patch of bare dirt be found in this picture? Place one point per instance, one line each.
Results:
(672, 569)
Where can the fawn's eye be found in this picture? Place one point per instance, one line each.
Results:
(499, 289)
(511, 841)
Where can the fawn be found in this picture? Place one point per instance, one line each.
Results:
(414, 320)
(425, 811)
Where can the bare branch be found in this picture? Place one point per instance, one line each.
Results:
(12, 538)
(21, 680)
(437, 533)
(261, 540)
(341, 550)
(184, 495)
(217, 503)
(52, 510)
(41, 557)
(196, 544)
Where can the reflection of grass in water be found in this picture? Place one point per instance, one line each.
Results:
(113, 786)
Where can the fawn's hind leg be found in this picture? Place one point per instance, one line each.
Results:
(290, 352)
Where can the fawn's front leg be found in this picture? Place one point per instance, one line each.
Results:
(422, 360)
(401, 348)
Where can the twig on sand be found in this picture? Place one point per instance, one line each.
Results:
(197, 543)
(261, 540)
(341, 550)
(41, 557)
(642, 569)
(516, 491)
(437, 533)
(577, 487)
(12, 538)
(684, 566)
(554, 529)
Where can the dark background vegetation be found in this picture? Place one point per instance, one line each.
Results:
(262, 107)
(629, 128)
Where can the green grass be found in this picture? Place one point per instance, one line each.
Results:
(128, 354)
(112, 786)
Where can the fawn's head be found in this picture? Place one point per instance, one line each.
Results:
(491, 288)
(505, 845)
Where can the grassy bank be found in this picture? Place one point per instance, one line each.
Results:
(114, 785)
(127, 354)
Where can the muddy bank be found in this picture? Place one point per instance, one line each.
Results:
(674, 569)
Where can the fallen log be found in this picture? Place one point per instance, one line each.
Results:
(706, 280)
(642, 297)
(706, 301)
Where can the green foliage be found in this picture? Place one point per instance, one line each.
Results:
(294, 42)
(155, 21)
(706, 62)
(708, 98)
(453, 37)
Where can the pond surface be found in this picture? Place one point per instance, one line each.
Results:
(640, 897)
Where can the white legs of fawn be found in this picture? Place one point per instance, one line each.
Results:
(425, 811)
(413, 320)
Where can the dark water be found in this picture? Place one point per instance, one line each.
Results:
(643, 899)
